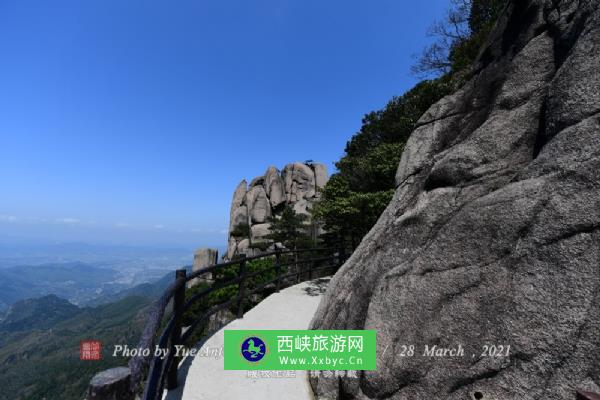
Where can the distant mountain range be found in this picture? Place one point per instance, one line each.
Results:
(40, 313)
(77, 282)
(12, 254)
(39, 359)
(46, 310)
(81, 283)
(39, 340)
(153, 289)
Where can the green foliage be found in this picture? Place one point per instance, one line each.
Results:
(198, 307)
(459, 38)
(241, 230)
(482, 17)
(351, 212)
(354, 198)
(40, 313)
(484, 13)
(463, 54)
(265, 267)
(375, 171)
(289, 229)
(260, 245)
(265, 272)
(395, 122)
(44, 363)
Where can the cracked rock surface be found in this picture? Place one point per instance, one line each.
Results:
(298, 185)
(493, 235)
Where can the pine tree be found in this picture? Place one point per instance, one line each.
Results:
(289, 229)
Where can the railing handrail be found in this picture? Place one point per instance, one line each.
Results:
(138, 363)
(162, 370)
(214, 267)
(206, 270)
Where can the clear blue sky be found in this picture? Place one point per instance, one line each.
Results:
(133, 121)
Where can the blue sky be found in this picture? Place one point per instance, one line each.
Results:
(133, 121)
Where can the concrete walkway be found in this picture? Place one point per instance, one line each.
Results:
(203, 377)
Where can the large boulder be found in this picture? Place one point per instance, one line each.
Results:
(252, 206)
(242, 246)
(239, 217)
(274, 187)
(238, 214)
(239, 193)
(321, 176)
(299, 182)
(231, 247)
(259, 232)
(238, 198)
(493, 234)
(111, 384)
(302, 207)
(258, 204)
(259, 180)
(204, 257)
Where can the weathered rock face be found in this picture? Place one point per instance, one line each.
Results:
(111, 384)
(238, 213)
(299, 182)
(493, 235)
(203, 258)
(274, 187)
(259, 204)
(258, 232)
(297, 186)
(321, 175)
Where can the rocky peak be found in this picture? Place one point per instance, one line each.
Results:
(297, 185)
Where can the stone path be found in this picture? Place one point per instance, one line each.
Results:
(203, 377)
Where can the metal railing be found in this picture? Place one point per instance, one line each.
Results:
(149, 374)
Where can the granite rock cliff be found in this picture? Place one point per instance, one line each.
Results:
(493, 234)
(298, 185)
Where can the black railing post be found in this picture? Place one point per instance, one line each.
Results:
(241, 287)
(278, 268)
(178, 300)
(311, 266)
(296, 265)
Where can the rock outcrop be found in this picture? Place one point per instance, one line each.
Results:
(298, 185)
(203, 257)
(493, 235)
(111, 384)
